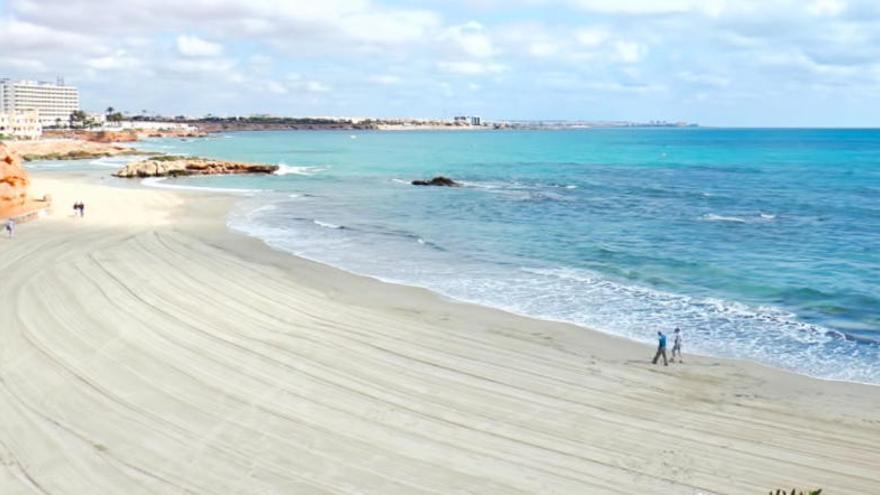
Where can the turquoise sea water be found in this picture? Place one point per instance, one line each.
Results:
(759, 244)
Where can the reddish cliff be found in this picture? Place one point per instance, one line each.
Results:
(13, 183)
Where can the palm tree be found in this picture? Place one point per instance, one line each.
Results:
(110, 110)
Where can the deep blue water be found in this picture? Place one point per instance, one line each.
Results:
(760, 244)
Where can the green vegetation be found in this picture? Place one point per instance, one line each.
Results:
(171, 158)
(82, 120)
(71, 155)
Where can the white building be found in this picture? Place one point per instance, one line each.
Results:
(471, 120)
(21, 125)
(134, 125)
(54, 102)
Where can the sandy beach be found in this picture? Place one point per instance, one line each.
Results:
(147, 349)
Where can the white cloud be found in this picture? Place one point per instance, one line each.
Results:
(390, 27)
(629, 52)
(826, 7)
(471, 68)
(315, 87)
(592, 37)
(386, 79)
(710, 80)
(193, 46)
(543, 49)
(276, 88)
(471, 38)
(117, 61)
(196, 66)
(649, 7)
(351, 49)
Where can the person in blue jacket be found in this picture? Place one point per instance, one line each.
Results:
(661, 349)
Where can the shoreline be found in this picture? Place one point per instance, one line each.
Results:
(236, 194)
(407, 390)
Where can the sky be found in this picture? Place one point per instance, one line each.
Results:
(714, 62)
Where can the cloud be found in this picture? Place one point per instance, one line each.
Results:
(591, 37)
(468, 68)
(193, 46)
(118, 61)
(471, 38)
(830, 8)
(362, 55)
(629, 52)
(709, 80)
(652, 7)
(385, 79)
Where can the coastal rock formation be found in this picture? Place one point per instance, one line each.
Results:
(437, 181)
(109, 136)
(175, 166)
(66, 149)
(13, 183)
(122, 136)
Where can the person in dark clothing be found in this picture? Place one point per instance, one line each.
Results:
(661, 349)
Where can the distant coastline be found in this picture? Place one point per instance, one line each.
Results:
(268, 123)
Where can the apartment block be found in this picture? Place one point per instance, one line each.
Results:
(21, 125)
(54, 102)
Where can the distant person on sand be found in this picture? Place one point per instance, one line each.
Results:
(82, 209)
(676, 345)
(10, 227)
(661, 349)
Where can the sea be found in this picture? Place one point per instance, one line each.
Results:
(760, 244)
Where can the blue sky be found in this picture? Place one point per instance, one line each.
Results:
(716, 62)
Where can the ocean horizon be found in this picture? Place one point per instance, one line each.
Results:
(759, 243)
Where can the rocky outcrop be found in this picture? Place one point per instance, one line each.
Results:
(436, 181)
(13, 183)
(66, 149)
(176, 166)
(109, 136)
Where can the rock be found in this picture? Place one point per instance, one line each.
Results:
(109, 136)
(14, 182)
(437, 181)
(176, 166)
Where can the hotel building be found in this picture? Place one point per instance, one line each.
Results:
(54, 102)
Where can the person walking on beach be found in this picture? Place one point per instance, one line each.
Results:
(82, 209)
(10, 228)
(661, 349)
(676, 345)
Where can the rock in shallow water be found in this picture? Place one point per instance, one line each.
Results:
(182, 166)
(436, 181)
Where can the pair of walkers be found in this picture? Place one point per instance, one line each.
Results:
(661, 347)
(79, 208)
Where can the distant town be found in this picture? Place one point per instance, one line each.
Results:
(27, 108)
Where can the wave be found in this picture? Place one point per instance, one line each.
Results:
(328, 225)
(711, 217)
(284, 169)
(113, 161)
(713, 326)
(761, 217)
(159, 182)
